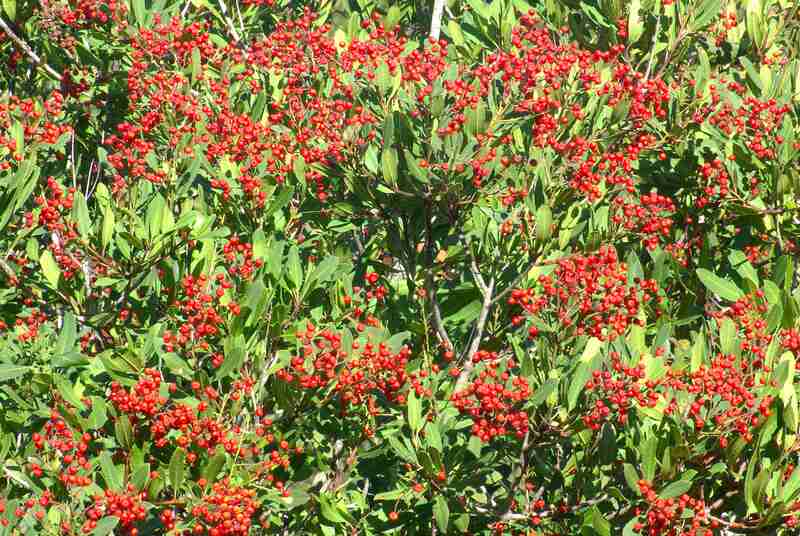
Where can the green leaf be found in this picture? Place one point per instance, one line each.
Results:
(577, 384)
(754, 19)
(123, 431)
(629, 529)
(599, 523)
(390, 495)
(99, 414)
(105, 526)
(329, 510)
(140, 476)
(441, 513)
(67, 336)
(81, 213)
(721, 287)
(675, 489)
(742, 265)
(10, 7)
(544, 223)
(197, 67)
(139, 11)
(727, 336)
(706, 12)
(214, 465)
(234, 356)
(648, 451)
(595, 15)
(413, 165)
(111, 473)
(50, 268)
(608, 445)
(414, 411)
(177, 365)
(389, 165)
(433, 435)
(294, 271)
(402, 450)
(177, 469)
(393, 16)
(299, 168)
(9, 371)
(107, 230)
(698, 352)
(591, 350)
(67, 391)
(454, 30)
(635, 26)
(631, 477)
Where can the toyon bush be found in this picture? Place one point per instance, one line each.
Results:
(362, 267)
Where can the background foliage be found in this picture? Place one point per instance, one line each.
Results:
(274, 267)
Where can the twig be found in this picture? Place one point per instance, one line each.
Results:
(476, 274)
(28, 50)
(438, 323)
(521, 463)
(436, 19)
(476, 338)
(516, 281)
(228, 21)
(653, 48)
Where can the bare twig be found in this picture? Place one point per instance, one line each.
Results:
(475, 344)
(653, 48)
(228, 21)
(438, 323)
(430, 289)
(25, 47)
(520, 463)
(436, 19)
(476, 274)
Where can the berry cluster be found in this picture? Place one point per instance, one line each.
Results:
(649, 217)
(226, 511)
(589, 294)
(617, 391)
(668, 516)
(356, 373)
(200, 310)
(142, 400)
(492, 400)
(747, 314)
(127, 507)
(58, 443)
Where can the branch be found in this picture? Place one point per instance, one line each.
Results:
(229, 22)
(476, 274)
(521, 462)
(438, 323)
(476, 338)
(436, 18)
(28, 50)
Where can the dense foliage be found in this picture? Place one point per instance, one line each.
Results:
(276, 268)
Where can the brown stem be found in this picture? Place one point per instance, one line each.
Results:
(25, 47)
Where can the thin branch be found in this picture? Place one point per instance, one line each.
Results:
(480, 326)
(521, 462)
(438, 323)
(476, 274)
(436, 19)
(228, 21)
(653, 48)
(28, 50)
